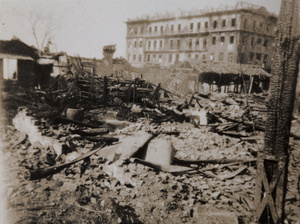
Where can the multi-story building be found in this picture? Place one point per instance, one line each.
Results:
(242, 34)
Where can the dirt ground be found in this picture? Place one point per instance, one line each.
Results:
(95, 190)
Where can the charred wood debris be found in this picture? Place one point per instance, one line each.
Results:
(89, 143)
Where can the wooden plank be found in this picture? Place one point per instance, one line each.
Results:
(44, 172)
(131, 145)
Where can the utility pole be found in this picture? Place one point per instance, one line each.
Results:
(272, 161)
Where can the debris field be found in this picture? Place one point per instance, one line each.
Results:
(134, 158)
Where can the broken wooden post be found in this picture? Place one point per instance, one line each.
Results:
(105, 89)
(134, 90)
(272, 162)
(251, 84)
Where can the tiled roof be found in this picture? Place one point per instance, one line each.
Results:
(17, 48)
(225, 68)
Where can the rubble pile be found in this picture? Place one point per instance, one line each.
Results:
(102, 168)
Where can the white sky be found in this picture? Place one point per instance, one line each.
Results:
(84, 26)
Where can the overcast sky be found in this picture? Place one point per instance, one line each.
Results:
(84, 26)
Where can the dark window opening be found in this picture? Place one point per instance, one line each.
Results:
(232, 22)
(214, 40)
(215, 24)
(191, 26)
(222, 40)
(198, 26)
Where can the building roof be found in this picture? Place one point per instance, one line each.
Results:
(18, 49)
(224, 68)
(241, 6)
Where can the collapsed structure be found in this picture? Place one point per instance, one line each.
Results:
(98, 140)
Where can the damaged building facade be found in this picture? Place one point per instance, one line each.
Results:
(242, 34)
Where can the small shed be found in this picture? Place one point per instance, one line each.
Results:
(17, 62)
(225, 77)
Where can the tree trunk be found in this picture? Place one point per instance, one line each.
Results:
(273, 159)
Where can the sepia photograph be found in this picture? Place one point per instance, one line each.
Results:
(149, 111)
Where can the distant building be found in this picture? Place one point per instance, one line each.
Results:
(243, 34)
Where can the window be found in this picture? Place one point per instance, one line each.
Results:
(142, 30)
(177, 57)
(178, 43)
(258, 57)
(141, 43)
(230, 57)
(232, 22)
(191, 26)
(160, 44)
(214, 40)
(265, 43)
(212, 56)
(221, 56)
(155, 29)
(206, 25)
(150, 29)
(135, 31)
(259, 41)
(148, 57)
(222, 40)
(172, 28)
(170, 58)
(159, 58)
(179, 27)
(204, 57)
(261, 25)
(129, 57)
(134, 57)
(197, 44)
(196, 56)
(161, 29)
(135, 44)
(149, 44)
(245, 23)
(231, 39)
(252, 41)
(140, 57)
(254, 25)
(223, 22)
(215, 24)
(190, 43)
(154, 45)
(204, 43)
(198, 26)
(171, 44)
(154, 58)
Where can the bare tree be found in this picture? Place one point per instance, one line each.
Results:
(42, 29)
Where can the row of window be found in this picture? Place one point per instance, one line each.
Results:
(192, 43)
(197, 25)
(255, 41)
(153, 58)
